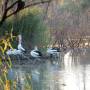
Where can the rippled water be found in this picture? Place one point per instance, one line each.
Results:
(69, 72)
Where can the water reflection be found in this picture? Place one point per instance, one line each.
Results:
(66, 73)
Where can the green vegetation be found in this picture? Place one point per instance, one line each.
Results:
(29, 23)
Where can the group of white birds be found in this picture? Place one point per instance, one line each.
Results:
(19, 49)
(34, 53)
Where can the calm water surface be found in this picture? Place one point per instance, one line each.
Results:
(69, 72)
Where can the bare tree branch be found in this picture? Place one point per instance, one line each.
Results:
(6, 9)
(12, 5)
(47, 10)
(30, 5)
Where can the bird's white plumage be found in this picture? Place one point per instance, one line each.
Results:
(52, 51)
(13, 52)
(35, 53)
(20, 47)
(18, 51)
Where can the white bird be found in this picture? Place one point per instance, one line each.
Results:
(36, 53)
(20, 47)
(18, 51)
(13, 52)
(53, 51)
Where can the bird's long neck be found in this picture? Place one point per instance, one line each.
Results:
(35, 48)
(19, 42)
(19, 39)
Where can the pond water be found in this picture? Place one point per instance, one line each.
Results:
(68, 72)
